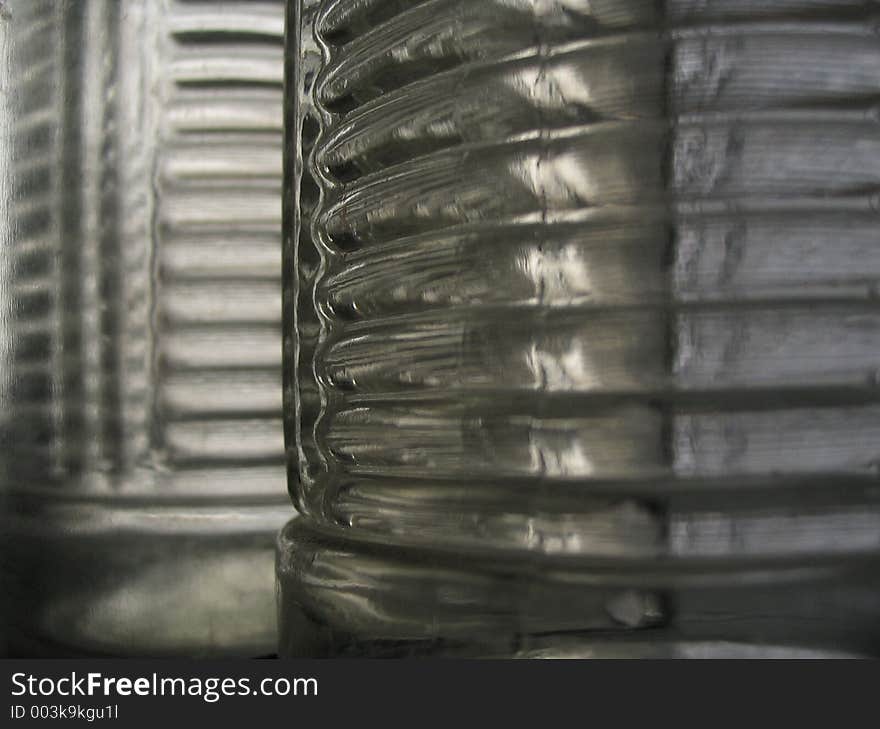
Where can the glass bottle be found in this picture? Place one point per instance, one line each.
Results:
(581, 328)
(140, 420)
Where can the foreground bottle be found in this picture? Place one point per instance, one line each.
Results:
(582, 332)
(140, 398)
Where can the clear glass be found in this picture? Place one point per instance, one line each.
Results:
(142, 449)
(581, 328)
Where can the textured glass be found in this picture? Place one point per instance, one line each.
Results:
(141, 296)
(582, 335)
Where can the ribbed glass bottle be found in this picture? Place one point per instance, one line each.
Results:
(140, 294)
(582, 331)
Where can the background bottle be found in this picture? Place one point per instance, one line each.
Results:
(141, 416)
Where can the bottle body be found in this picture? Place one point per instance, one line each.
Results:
(582, 336)
(142, 447)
